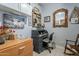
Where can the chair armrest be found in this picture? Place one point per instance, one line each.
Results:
(70, 40)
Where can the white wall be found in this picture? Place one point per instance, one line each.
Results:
(61, 34)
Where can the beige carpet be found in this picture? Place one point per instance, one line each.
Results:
(58, 51)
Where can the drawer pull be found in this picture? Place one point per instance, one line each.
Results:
(22, 47)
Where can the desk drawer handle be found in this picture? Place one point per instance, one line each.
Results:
(22, 47)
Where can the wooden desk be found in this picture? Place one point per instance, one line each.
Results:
(17, 48)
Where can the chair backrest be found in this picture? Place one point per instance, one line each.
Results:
(51, 36)
(76, 42)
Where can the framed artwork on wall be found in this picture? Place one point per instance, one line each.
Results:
(47, 19)
(74, 18)
(13, 21)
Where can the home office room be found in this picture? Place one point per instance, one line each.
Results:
(39, 29)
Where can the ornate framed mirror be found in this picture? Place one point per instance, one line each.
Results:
(60, 17)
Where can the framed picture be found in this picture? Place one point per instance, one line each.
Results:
(29, 21)
(74, 20)
(47, 19)
(13, 21)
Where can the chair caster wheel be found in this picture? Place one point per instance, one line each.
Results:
(52, 48)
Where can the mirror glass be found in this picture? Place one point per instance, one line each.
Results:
(60, 18)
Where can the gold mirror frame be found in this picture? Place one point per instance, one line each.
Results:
(65, 17)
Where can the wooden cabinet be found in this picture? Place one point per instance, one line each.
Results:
(14, 6)
(17, 8)
(26, 8)
(11, 50)
(26, 49)
(17, 48)
(36, 17)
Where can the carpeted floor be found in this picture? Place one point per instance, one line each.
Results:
(58, 51)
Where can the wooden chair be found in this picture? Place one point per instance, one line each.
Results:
(73, 48)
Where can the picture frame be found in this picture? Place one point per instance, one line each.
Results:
(74, 18)
(47, 19)
(13, 21)
(74, 21)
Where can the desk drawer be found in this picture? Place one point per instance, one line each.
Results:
(10, 51)
(26, 48)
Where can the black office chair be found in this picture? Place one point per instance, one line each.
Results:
(48, 42)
